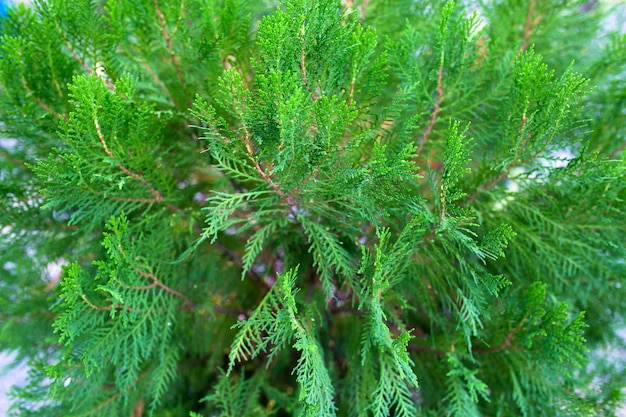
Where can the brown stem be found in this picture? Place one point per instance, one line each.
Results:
(530, 25)
(344, 141)
(115, 396)
(131, 200)
(83, 63)
(617, 151)
(41, 104)
(507, 343)
(124, 199)
(303, 67)
(78, 58)
(15, 161)
(158, 80)
(168, 42)
(435, 112)
(302, 63)
(506, 172)
(157, 195)
(264, 174)
(155, 282)
(306, 180)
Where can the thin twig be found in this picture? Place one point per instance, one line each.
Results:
(84, 64)
(40, 103)
(264, 174)
(527, 25)
(158, 80)
(157, 195)
(507, 343)
(186, 301)
(123, 199)
(506, 172)
(303, 67)
(617, 151)
(344, 140)
(530, 25)
(77, 58)
(95, 307)
(168, 42)
(433, 116)
(156, 282)
(115, 396)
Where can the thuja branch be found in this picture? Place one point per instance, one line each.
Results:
(155, 77)
(504, 174)
(433, 116)
(530, 25)
(93, 306)
(157, 195)
(79, 59)
(156, 282)
(250, 151)
(168, 42)
(426, 349)
(303, 66)
(87, 68)
(40, 103)
(508, 340)
(264, 174)
(313, 127)
(116, 395)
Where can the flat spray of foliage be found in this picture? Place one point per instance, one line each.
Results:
(313, 208)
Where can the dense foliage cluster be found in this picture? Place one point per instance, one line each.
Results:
(313, 208)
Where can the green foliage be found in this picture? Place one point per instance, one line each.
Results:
(313, 208)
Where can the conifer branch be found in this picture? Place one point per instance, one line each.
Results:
(530, 25)
(157, 195)
(303, 66)
(156, 282)
(123, 199)
(527, 25)
(504, 174)
(617, 151)
(40, 103)
(264, 174)
(168, 42)
(344, 140)
(92, 305)
(157, 79)
(281, 190)
(351, 91)
(433, 116)
(186, 301)
(115, 396)
(7, 157)
(508, 340)
(303, 183)
(82, 61)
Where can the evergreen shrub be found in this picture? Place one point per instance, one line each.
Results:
(313, 208)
